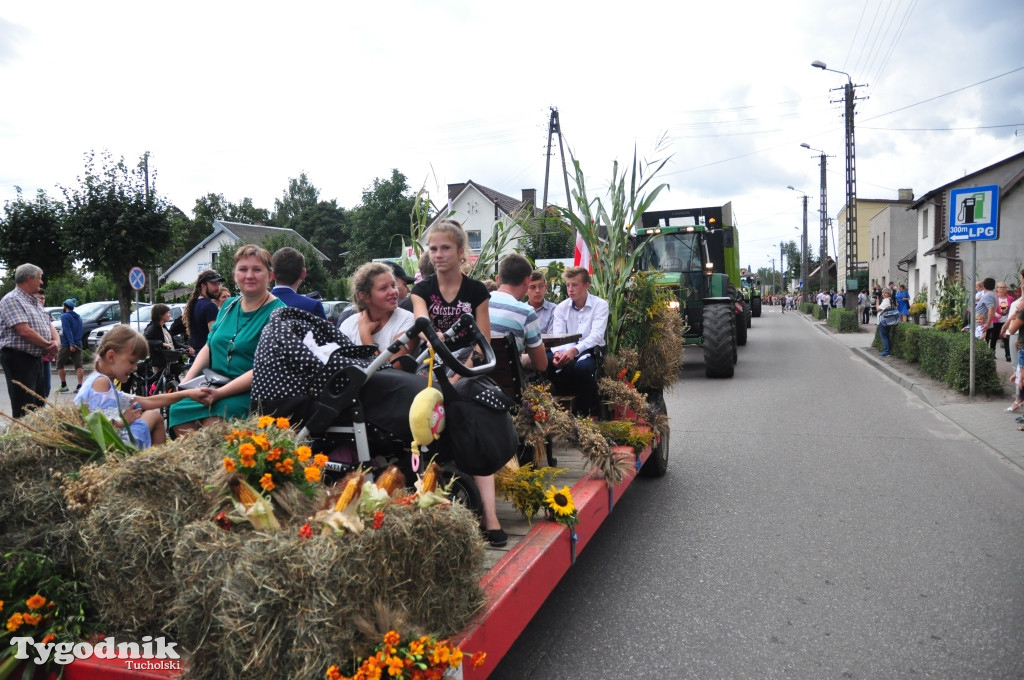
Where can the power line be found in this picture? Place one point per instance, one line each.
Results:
(980, 127)
(940, 96)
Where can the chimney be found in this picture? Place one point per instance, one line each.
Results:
(906, 194)
(530, 197)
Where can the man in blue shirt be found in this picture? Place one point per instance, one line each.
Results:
(289, 267)
(70, 345)
(201, 310)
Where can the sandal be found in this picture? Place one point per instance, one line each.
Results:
(1020, 428)
(1014, 407)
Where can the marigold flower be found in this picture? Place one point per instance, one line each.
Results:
(286, 466)
(306, 532)
(320, 460)
(48, 638)
(14, 622)
(261, 441)
(395, 666)
(266, 482)
(248, 460)
(229, 465)
(265, 422)
(392, 638)
(282, 423)
(37, 601)
(303, 453)
(415, 647)
(32, 619)
(479, 658)
(1, 605)
(247, 449)
(274, 454)
(313, 474)
(455, 659)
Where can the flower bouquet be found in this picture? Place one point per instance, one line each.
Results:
(408, 658)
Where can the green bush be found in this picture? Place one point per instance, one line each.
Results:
(808, 307)
(819, 313)
(945, 356)
(844, 320)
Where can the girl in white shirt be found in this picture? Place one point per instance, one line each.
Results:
(379, 320)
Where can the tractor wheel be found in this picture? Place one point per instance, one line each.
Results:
(755, 306)
(741, 327)
(656, 464)
(719, 340)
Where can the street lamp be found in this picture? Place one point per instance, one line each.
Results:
(851, 183)
(804, 286)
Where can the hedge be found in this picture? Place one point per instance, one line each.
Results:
(844, 320)
(945, 356)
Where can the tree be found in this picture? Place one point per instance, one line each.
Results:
(380, 221)
(300, 196)
(31, 231)
(327, 227)
(548, 236)
(114, 222)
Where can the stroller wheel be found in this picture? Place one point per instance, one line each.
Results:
(463, 489)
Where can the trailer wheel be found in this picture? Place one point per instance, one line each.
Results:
(749, 314)
(656, 464)
(719, 340)
(755, 306)
(463, 489)
(741, 326)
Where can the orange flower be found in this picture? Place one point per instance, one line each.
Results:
(312, 474)
(261, 441)
(334, 673)
(303, 453)
(265, 421)
(229, 465)
(274, 454)
(391, 638)
(286, 466)
(455, 660)
(48, 638)
(266, 482)
(395, 666)
(479, 658)
(1, 605)
(32, 619)
(416, 647)
(320, 460)
(247, 460)
(247, 450)
(14, 622)
(282, 423)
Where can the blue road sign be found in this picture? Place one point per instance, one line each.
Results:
(974, 214)
(137, 278)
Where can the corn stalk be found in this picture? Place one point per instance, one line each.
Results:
(606, 229)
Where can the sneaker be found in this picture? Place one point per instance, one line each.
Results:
(884, 354)
(63, 389)
(78, 388)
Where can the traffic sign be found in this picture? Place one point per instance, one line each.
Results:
(137, 278)
(974, 214)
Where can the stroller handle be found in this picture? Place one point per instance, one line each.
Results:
(465, 322)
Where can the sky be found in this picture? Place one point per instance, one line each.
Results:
(237, 98)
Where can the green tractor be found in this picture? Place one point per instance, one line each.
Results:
(751, 286)
(696, 252)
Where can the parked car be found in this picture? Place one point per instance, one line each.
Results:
(138, 320)
(98, 314)
(333, 309)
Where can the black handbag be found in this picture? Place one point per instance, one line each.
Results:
(479, 433)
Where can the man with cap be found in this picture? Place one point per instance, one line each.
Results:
(201, 309)
(403, 280)
(70, 345)
(289, 271)
(26, 334)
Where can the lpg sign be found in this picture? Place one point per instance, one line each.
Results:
(974, 214)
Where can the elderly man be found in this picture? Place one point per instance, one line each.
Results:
(573, 367)
(26, 334)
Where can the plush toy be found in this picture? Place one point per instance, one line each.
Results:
(426, 416)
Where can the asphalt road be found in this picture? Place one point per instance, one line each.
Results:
(817, 521)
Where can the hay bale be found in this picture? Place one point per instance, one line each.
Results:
(252, 604)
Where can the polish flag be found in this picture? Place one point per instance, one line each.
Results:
(581, 258)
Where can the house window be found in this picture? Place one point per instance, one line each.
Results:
(213, 260)
(924, 224)
(474, 239)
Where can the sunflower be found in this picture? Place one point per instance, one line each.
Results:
(560, 501)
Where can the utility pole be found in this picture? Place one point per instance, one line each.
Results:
(782, 265)
(555, 128)
(774, 284)
(803, 255)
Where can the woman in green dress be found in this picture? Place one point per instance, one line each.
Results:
(231, 346)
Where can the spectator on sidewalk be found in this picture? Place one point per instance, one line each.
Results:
(26, 334)
(70, 345)
(864, 306)
(883, 330)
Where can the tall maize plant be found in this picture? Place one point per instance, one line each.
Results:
(606, 227)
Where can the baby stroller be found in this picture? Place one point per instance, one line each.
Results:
(355, 407)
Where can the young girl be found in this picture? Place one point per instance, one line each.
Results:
(379, 320)
(444, 297)
(121, 348)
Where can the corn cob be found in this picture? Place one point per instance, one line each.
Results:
(242, 492)
(391, 479)
(253, 507)
(431, 477)
(352, 487)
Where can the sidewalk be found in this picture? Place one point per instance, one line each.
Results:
(981, 416)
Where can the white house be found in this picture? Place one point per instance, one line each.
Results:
(223, 242)
(478, 208)
(937, 257)
(891, 243)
